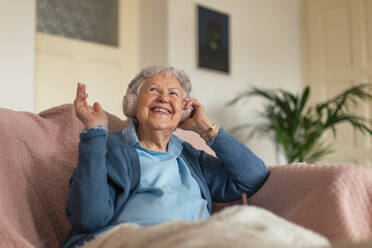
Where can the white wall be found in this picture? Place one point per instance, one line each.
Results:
(153, 32)
(17, 31)
(265, 51)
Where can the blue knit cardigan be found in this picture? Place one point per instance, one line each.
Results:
(108, 173)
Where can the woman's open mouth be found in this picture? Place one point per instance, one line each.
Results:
(160, 110)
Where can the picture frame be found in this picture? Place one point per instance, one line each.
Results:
(213, 40)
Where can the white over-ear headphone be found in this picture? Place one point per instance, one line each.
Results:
(130, 104)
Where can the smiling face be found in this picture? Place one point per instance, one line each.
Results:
(159, 105)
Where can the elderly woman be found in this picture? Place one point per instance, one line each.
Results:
(146, 175)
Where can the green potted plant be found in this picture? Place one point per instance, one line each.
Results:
(296, 129)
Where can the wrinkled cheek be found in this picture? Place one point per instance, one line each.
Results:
(178, 117)
(141, 114)
(180, 111)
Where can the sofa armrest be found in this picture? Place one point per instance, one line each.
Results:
(11, 239)
(333, 200)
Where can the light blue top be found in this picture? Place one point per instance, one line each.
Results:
(167, 190)
(108, 173)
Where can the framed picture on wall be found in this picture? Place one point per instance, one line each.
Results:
(213, 40)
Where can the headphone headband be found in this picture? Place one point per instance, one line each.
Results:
(134, 83)
(130, 85)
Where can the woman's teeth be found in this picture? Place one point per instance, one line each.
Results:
(160, 110)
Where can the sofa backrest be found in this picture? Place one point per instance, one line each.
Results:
(38, 153)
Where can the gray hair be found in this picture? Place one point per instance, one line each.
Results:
(169, 71)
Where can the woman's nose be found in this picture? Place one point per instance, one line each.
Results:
(163, 98)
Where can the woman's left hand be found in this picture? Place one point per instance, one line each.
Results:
(199, 121)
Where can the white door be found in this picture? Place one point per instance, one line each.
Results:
(338, 52)
(106, 70)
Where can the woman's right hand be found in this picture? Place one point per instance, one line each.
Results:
(88, 115)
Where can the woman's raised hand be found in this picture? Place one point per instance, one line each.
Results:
(88, 115)
(199, 121)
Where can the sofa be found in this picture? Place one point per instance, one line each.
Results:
(38, 153)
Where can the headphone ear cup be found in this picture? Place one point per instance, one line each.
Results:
(186, 113)
(130, 105)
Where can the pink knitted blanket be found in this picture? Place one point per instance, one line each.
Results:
(334, 200)
(38, 154)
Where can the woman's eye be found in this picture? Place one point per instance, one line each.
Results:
(174, 93)
(154, 89)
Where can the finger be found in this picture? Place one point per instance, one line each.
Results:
(187, 103)
(79, 90)
(80, 94)
(78, 100)
(83, 90)
(84, 100)
(97, 107)
(195, 101)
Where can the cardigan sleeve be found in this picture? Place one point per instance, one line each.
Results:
(236, 169)
(89, 200)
